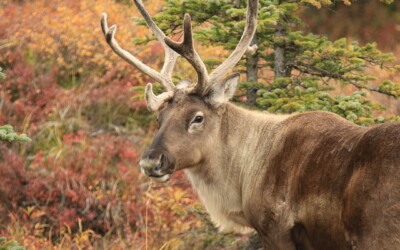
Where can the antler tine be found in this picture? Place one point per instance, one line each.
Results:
(109, 34)
(245, 40)
(170, 55)
(186, 49)
(164, 76)
(154, 102)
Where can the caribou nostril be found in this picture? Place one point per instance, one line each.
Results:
(158, 167)
(150, 164)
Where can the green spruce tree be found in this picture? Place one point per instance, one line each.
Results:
(7, 134)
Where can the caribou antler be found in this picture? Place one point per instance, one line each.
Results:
(241, 47)
(164, 77)
(186, 49)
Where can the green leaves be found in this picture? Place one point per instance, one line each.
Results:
(9, 244)
(287, 96)
(2, 75)
(7, 134)
(390, 88)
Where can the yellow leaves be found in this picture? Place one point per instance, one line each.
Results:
(60, 60)
(318, 3)
(84, 237)
(313, 2)
(68, 33)
(28, 211)
(172, 244)
(37, 214)
(33, 213)
(39, 229)
(347, 2)
(178, 195)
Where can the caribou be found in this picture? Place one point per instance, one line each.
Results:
(305, 181)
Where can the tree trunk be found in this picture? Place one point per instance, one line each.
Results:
(252, 74)
(280, 67)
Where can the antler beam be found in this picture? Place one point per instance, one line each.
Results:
(186, 49)
(242, 46)
(109, 34)
(165, 76)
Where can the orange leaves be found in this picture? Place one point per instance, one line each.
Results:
(68, 34)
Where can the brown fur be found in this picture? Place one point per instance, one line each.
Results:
(307, 181)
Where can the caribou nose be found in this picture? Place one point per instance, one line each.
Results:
(150, 162)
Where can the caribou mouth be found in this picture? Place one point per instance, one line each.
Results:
(156, 173)
(163, 178)
(156, 177)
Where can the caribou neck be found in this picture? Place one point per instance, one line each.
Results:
(244, 153)
(233, 161)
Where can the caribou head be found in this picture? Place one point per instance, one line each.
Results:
(189, 114)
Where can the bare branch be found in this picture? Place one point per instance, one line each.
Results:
(324, 73)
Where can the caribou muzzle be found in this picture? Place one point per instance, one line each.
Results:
(156, 165)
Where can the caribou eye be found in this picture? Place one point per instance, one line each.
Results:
(198, 119)
(196, 124)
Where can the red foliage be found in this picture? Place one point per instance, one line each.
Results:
(25, 93)
(80, 190)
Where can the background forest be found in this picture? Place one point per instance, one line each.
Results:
(77, 185)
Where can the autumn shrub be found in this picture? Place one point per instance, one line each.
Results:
(76, 160)
(25, 94)
(52, 199)
(69, 35)
(100, 193)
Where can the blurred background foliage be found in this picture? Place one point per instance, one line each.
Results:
(77, 184)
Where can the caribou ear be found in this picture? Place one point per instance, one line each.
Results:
(223, 91)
